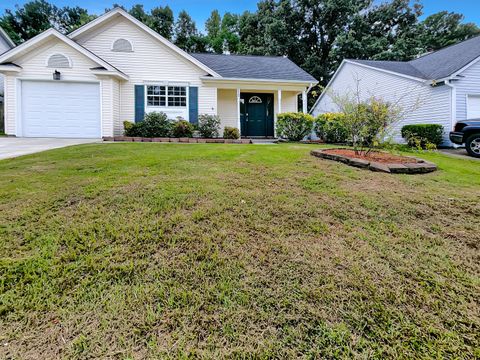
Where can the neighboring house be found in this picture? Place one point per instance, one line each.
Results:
(442, 87)
(115, 69)
(5, 44)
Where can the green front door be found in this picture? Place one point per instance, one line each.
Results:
(257, 115)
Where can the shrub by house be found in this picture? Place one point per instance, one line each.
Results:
(423, 136)
(294, 126)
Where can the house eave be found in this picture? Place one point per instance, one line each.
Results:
(253, 80)
(10, 68)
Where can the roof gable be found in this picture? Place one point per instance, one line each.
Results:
(42, 38)
(255, 67)
(120, 12)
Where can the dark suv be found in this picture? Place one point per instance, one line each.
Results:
(467, 132)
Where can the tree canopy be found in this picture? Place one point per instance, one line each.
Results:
(315, 34)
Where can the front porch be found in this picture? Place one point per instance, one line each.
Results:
(253, 107)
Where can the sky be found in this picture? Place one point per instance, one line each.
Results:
(200, 9)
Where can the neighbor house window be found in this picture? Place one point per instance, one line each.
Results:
(166, 96)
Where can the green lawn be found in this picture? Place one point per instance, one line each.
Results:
(129, 251)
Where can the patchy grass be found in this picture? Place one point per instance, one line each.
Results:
(130, 251)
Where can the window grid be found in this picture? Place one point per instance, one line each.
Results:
(166, 96)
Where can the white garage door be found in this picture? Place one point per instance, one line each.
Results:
(473, 107)
(60, 109)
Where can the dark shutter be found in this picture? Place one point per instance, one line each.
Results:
(139, 103)
(193, 104)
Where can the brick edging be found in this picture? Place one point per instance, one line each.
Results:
(419, 167)
(176, 140)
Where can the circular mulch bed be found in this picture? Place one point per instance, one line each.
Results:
(377, 161)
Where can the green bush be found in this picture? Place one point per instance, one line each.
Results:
(424, 136)
(330, 127)
(127, 126)
(155, 124)
(294, 126)
(208, 125)
(182, 128)
(231, 133)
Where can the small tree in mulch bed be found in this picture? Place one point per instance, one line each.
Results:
(367, 120)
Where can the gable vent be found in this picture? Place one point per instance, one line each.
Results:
(122, 45)
(58, 61)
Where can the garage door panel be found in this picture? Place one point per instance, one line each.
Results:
(60, 109)
(473, 108)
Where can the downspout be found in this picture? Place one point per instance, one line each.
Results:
(453, 105)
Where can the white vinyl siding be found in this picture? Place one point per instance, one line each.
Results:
(10, 104)
(422, 103)
(227, 107)
(467, 86)
(150, 62)
(34, 66)
(117, 121)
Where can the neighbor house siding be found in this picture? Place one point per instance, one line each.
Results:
(468, 84)
(34, 65)
(421, 103)
(150, 62)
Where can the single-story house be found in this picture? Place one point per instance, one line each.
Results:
(115, 68)
(442, 87)
(5, 44)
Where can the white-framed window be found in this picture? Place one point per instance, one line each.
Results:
(166, 96)
(58, 61)
(122, 45)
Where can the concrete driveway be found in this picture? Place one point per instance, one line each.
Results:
(11, 147)
(460, 153)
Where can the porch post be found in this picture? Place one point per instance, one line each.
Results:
(238, 112)
(279, 101)
(304, 102)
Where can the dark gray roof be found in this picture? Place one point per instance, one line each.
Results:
(254, 67)
(437, 65)
(396, 66)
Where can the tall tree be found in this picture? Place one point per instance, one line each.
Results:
(138, 12)
(214, 34)
(186, 34)
(37, 16)
(230, 33)
(162, 21)
(443, 29)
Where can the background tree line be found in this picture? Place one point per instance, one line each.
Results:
(315, 34)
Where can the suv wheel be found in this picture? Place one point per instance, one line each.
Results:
(473, 145)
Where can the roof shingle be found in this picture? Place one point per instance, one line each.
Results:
(437, 65)
(254, 67)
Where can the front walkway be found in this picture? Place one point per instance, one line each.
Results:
(11, 147)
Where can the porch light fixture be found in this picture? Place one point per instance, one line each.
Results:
(56, 75)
